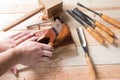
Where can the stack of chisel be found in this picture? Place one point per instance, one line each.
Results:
(99, 31)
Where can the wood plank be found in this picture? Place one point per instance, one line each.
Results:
(68, 65)
(104, 72)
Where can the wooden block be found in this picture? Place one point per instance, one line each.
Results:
(52, 7)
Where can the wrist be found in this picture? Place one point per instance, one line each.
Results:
(16, 54)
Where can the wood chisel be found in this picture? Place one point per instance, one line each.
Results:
(98, 24)
(98, 37)
(99, 30)
(48, 36)
(103, 16)
(89, 62)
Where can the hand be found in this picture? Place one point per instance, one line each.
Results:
(32, 52)
(14, 40)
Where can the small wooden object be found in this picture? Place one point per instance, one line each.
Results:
(52, 7)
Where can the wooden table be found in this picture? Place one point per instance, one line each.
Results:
(69, 63)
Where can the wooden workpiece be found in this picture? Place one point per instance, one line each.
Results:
(51, 8)
(68, 63)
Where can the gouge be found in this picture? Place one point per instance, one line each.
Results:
(98, 24)
(103, 16)
(89, 29)
(87, 56)
(99, 30)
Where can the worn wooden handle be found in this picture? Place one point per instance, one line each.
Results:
(95, 35)
(91, 67)
(111, 20)
(105, 35)
(23, 18)
(100, 25)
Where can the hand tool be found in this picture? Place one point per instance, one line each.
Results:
(83, 42)
(48, 36)
(52, 8)
(64, 33)
(99, 30)
(100, 25)
(88, 28)
(103, 16)
(38, 25)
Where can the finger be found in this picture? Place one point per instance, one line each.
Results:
(47, 47)
(14, 70)
(22, 39)
(44, 59)
(47, 53)
(20, 35)
(15, 35)
(33, 38)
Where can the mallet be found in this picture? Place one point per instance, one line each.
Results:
(52, 7)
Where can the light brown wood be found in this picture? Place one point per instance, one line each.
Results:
(100, 25)
(52, 7)
(68, 65)
(91, 67)
(22, 18)
(98, 37)
(111, 20)
(105, 35)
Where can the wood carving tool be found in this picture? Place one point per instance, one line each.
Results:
(65, 32)
(88, 28)
(48, 36)
(83, 42)
(97, 23)
(38, 25)
(103, 16)
(52, 8)
(99, 30)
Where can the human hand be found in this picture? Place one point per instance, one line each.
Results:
(32, 52)
(14, 40)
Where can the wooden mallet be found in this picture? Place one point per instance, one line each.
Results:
(52, 7)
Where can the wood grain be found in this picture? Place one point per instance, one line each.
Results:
(68, 64)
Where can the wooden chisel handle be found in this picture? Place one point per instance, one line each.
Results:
(100, 25)
(111, 20)
(104, 35)
(90, 66)
(23, 18)
(95, 35)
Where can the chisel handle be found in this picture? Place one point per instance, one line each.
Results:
(95, 35)
(103, 27)
(105, 35)
(22, 18)
(90, 66)
(111, 20)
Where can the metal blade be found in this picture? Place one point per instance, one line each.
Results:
(57, 26)
(82, 38)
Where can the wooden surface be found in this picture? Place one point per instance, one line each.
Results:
(68, 63)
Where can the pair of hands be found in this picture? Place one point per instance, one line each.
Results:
(24, 45)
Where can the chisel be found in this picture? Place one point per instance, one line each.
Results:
(99, 30)
(98, 24)
(89, 29)
(103, 16)
(87, 56)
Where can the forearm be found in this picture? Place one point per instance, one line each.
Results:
(7, 60)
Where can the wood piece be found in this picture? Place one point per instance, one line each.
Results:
(52, 7)
(71, 68)
(21, 19)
